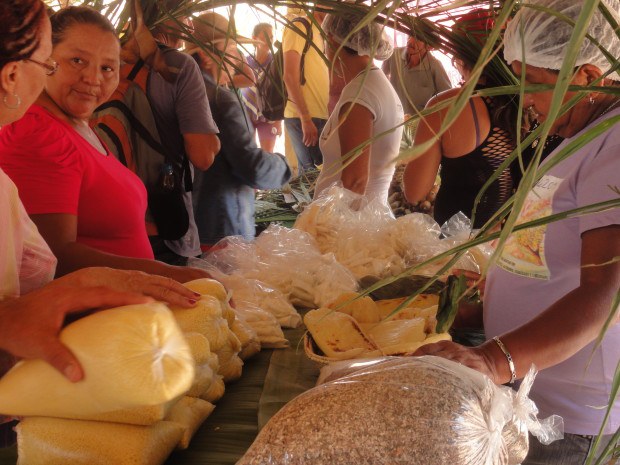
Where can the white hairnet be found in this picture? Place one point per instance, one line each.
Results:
(370, 40)
(545, 36)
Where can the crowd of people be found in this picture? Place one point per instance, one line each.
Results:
(76, 236)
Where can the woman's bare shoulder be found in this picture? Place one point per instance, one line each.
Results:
(443, 96)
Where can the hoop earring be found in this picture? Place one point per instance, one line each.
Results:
(12, 106)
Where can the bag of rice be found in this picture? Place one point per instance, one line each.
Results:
(402, 410)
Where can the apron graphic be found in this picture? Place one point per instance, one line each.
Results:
(524, 252)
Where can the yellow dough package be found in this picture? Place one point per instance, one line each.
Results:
(132, 356)
(190, 413)
(56, 441)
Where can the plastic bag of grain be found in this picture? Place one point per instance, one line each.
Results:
(412, 410)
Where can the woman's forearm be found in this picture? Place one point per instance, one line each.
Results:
(74, 256)
(555, 335)
(577, 318)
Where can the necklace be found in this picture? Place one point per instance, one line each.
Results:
(610, 107)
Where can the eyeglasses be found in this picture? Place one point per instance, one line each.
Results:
(51, 65)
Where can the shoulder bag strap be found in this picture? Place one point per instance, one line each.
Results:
(308, 44)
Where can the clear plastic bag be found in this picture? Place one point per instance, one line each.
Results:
(247, 294)
(287, 260)
(365, 237)
(458, 230)
(339, 209)
(354, 230)
(257, 293)
(395, 410)
(419, 238)
(264, 323)
(229, 255)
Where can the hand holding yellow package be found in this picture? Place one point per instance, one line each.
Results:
(132, 356)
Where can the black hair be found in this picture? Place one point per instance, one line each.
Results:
(74, 15)
(503, 109)
(349, 50)
(20, 26)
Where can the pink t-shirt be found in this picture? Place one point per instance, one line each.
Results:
(57, 171)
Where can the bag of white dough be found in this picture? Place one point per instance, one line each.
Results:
(404, 410)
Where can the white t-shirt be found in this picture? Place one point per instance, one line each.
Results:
(26, 261)
(540, 265)
(373, 91)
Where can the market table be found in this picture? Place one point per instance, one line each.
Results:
(269, 380)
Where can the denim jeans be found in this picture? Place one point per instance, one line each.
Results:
(572, 450)
(307, 157)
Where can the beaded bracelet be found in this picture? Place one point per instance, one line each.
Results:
(511, 363)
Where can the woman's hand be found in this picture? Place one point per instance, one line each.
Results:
(163, 288)
(480, 358)
(29, 325)
(473, 280)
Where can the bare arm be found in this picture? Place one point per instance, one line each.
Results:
(576, 319)
(564, 328)
(201, 149)
(292, 63)
(420, 173)
(353, 131)
(60, 233)
(30, 325)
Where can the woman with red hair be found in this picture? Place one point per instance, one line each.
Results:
(471, 150)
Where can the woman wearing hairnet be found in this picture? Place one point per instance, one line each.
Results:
(553, 287)
(355, 150)
(476, 144)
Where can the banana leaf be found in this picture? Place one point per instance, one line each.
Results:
(402, 287)
(449, 299)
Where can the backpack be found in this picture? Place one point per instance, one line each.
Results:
(272, 95)
(127, 125)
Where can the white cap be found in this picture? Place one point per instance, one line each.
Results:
(543, 37)
(371, 40)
